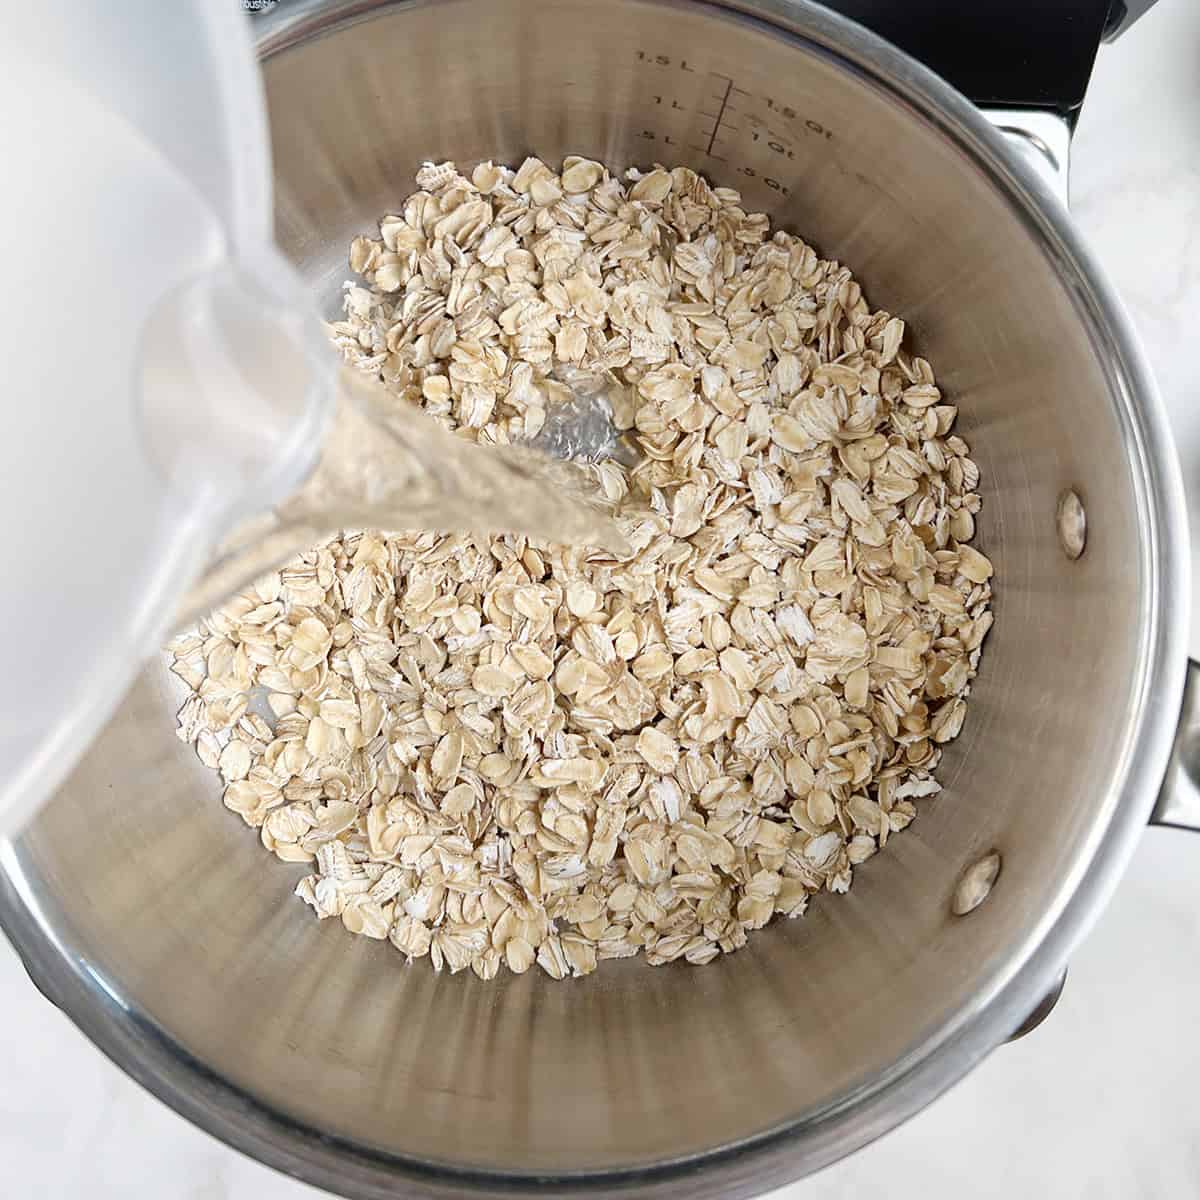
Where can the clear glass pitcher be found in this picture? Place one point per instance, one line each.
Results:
(177, 422)
(159, 385)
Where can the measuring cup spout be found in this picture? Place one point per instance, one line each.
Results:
(235, 390)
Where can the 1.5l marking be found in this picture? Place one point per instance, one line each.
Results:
(723, 98)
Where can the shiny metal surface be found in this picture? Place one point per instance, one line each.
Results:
(151, 916)
(1042, 139)
(1044, 1007)
(1178, 803)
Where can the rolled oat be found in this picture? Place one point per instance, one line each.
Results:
(495, 753)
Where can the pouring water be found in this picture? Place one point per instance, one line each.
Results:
(385, 464)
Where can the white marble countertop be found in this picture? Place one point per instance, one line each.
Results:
(1100, 1102)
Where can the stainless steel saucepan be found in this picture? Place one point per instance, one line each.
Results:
(144, 910)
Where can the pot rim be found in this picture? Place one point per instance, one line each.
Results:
(147, 1052)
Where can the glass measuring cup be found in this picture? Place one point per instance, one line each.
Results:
(172, 384)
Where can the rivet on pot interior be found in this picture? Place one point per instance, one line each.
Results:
(976, 884)
(1072, 523)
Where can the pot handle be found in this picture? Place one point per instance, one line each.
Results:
(1042, 137)
(1178, 804)
(1177, 807)
(1015, 54)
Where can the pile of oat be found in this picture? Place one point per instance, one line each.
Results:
(494, 752)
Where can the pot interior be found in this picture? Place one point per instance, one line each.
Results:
(172, 904)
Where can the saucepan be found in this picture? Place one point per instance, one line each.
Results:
(144, 910)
